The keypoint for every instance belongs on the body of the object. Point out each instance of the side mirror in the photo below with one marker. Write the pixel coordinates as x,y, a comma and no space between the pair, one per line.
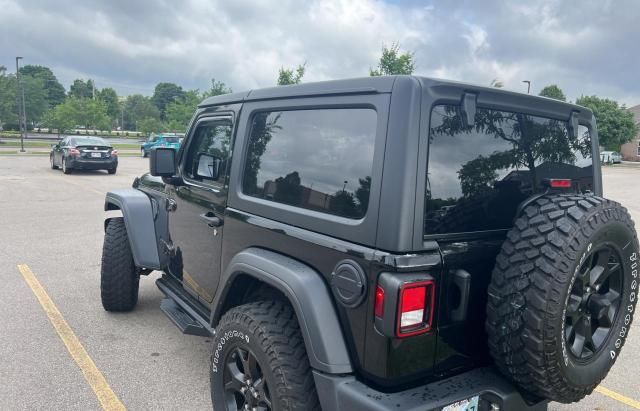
162,162
208,166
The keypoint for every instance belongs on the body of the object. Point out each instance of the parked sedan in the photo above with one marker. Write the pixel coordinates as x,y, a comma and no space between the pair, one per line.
610,157
160,140
84,153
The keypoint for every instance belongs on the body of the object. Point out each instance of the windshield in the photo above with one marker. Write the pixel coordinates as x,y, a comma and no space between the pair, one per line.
88,141
171,139
478,175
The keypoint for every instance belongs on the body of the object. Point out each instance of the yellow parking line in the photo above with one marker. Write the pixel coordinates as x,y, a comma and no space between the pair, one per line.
108,399
618,397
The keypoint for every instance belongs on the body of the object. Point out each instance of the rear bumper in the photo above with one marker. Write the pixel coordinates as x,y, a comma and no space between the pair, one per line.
346,393
98,164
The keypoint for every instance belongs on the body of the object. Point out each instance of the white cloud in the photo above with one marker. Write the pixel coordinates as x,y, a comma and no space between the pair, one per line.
588,49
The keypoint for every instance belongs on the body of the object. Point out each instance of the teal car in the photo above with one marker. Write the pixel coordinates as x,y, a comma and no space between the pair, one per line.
160,140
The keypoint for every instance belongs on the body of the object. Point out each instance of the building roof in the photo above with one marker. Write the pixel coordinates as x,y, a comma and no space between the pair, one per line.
636,112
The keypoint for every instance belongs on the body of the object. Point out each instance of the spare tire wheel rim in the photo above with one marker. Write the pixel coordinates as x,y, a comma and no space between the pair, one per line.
594,302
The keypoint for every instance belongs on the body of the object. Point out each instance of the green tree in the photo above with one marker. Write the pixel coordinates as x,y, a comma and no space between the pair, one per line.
179,112
59,118
35,96
553,91
394,62
85,112
166,93
136,108
290,76
151,125
217,88
615,122
110,99
81,89
55,92
8,109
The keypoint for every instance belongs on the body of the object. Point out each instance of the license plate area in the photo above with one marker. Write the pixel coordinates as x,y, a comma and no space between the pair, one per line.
469,404
96,155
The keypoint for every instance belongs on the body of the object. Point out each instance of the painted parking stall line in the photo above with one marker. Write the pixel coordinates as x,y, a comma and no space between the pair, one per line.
108,399
618,397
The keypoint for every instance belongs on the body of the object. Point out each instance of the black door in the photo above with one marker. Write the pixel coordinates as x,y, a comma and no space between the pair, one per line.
197,222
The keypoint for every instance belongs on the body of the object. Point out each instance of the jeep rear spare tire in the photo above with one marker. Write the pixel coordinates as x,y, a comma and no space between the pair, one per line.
119,278
562,295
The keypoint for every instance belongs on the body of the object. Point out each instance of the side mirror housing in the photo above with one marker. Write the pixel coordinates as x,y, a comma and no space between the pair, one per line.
162,162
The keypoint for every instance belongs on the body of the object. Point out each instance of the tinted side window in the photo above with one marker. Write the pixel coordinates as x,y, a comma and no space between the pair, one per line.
478,175
212,138
318,159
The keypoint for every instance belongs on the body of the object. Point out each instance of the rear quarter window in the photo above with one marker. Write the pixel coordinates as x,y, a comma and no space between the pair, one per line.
317,159
478,175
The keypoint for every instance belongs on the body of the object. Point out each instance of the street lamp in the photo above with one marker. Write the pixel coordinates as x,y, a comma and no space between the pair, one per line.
528,85
22,117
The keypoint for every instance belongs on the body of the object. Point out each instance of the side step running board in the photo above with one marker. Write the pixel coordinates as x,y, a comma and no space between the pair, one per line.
186,323
184,317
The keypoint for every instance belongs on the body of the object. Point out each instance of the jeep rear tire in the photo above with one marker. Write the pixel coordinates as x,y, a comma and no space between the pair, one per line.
562,295
259,360
119,278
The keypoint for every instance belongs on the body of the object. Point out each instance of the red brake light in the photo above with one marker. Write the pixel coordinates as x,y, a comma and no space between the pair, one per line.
416,305
74,151
560,183
379,303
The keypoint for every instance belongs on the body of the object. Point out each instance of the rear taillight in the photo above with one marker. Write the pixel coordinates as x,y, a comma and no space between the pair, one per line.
74,151
379,303
560,183
415,308
114,153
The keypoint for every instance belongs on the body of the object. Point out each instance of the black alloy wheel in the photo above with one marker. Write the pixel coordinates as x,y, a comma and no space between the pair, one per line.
244,383
594,302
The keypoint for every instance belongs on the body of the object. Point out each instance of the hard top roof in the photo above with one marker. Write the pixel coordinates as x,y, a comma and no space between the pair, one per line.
378,84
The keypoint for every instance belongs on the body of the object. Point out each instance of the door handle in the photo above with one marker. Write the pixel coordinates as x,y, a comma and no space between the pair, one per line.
211,219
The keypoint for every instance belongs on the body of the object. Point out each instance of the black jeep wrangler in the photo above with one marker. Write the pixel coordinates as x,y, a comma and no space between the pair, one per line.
389,243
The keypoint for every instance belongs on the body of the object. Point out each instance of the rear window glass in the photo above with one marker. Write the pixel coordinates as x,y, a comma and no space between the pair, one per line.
87,141
477,176
319,159
171,139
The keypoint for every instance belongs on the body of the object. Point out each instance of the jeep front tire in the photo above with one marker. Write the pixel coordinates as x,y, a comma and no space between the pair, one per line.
562,295
259,361
119,277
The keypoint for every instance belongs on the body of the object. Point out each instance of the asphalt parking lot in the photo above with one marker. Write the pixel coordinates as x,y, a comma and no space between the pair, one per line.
53,224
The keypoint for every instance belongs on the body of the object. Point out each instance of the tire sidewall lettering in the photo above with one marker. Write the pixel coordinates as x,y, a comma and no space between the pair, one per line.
231,335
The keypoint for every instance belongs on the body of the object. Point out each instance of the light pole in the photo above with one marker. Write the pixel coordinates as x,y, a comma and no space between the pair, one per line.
22,117
528,85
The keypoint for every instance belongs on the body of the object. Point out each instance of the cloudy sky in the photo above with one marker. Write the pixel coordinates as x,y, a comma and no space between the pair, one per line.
586,47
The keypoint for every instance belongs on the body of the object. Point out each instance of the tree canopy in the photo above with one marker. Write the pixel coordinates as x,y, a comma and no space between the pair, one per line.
288,76
166,93
54,91
394,62
553,91
615,123
81,89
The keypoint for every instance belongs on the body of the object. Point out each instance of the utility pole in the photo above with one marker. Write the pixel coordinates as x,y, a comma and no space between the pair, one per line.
528,85
22,116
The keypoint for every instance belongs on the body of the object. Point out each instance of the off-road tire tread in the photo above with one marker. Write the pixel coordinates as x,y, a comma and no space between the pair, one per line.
533,267
119,278
277,331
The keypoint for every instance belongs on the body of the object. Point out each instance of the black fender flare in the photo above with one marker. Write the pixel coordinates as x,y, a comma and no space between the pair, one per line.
307,293
138,213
